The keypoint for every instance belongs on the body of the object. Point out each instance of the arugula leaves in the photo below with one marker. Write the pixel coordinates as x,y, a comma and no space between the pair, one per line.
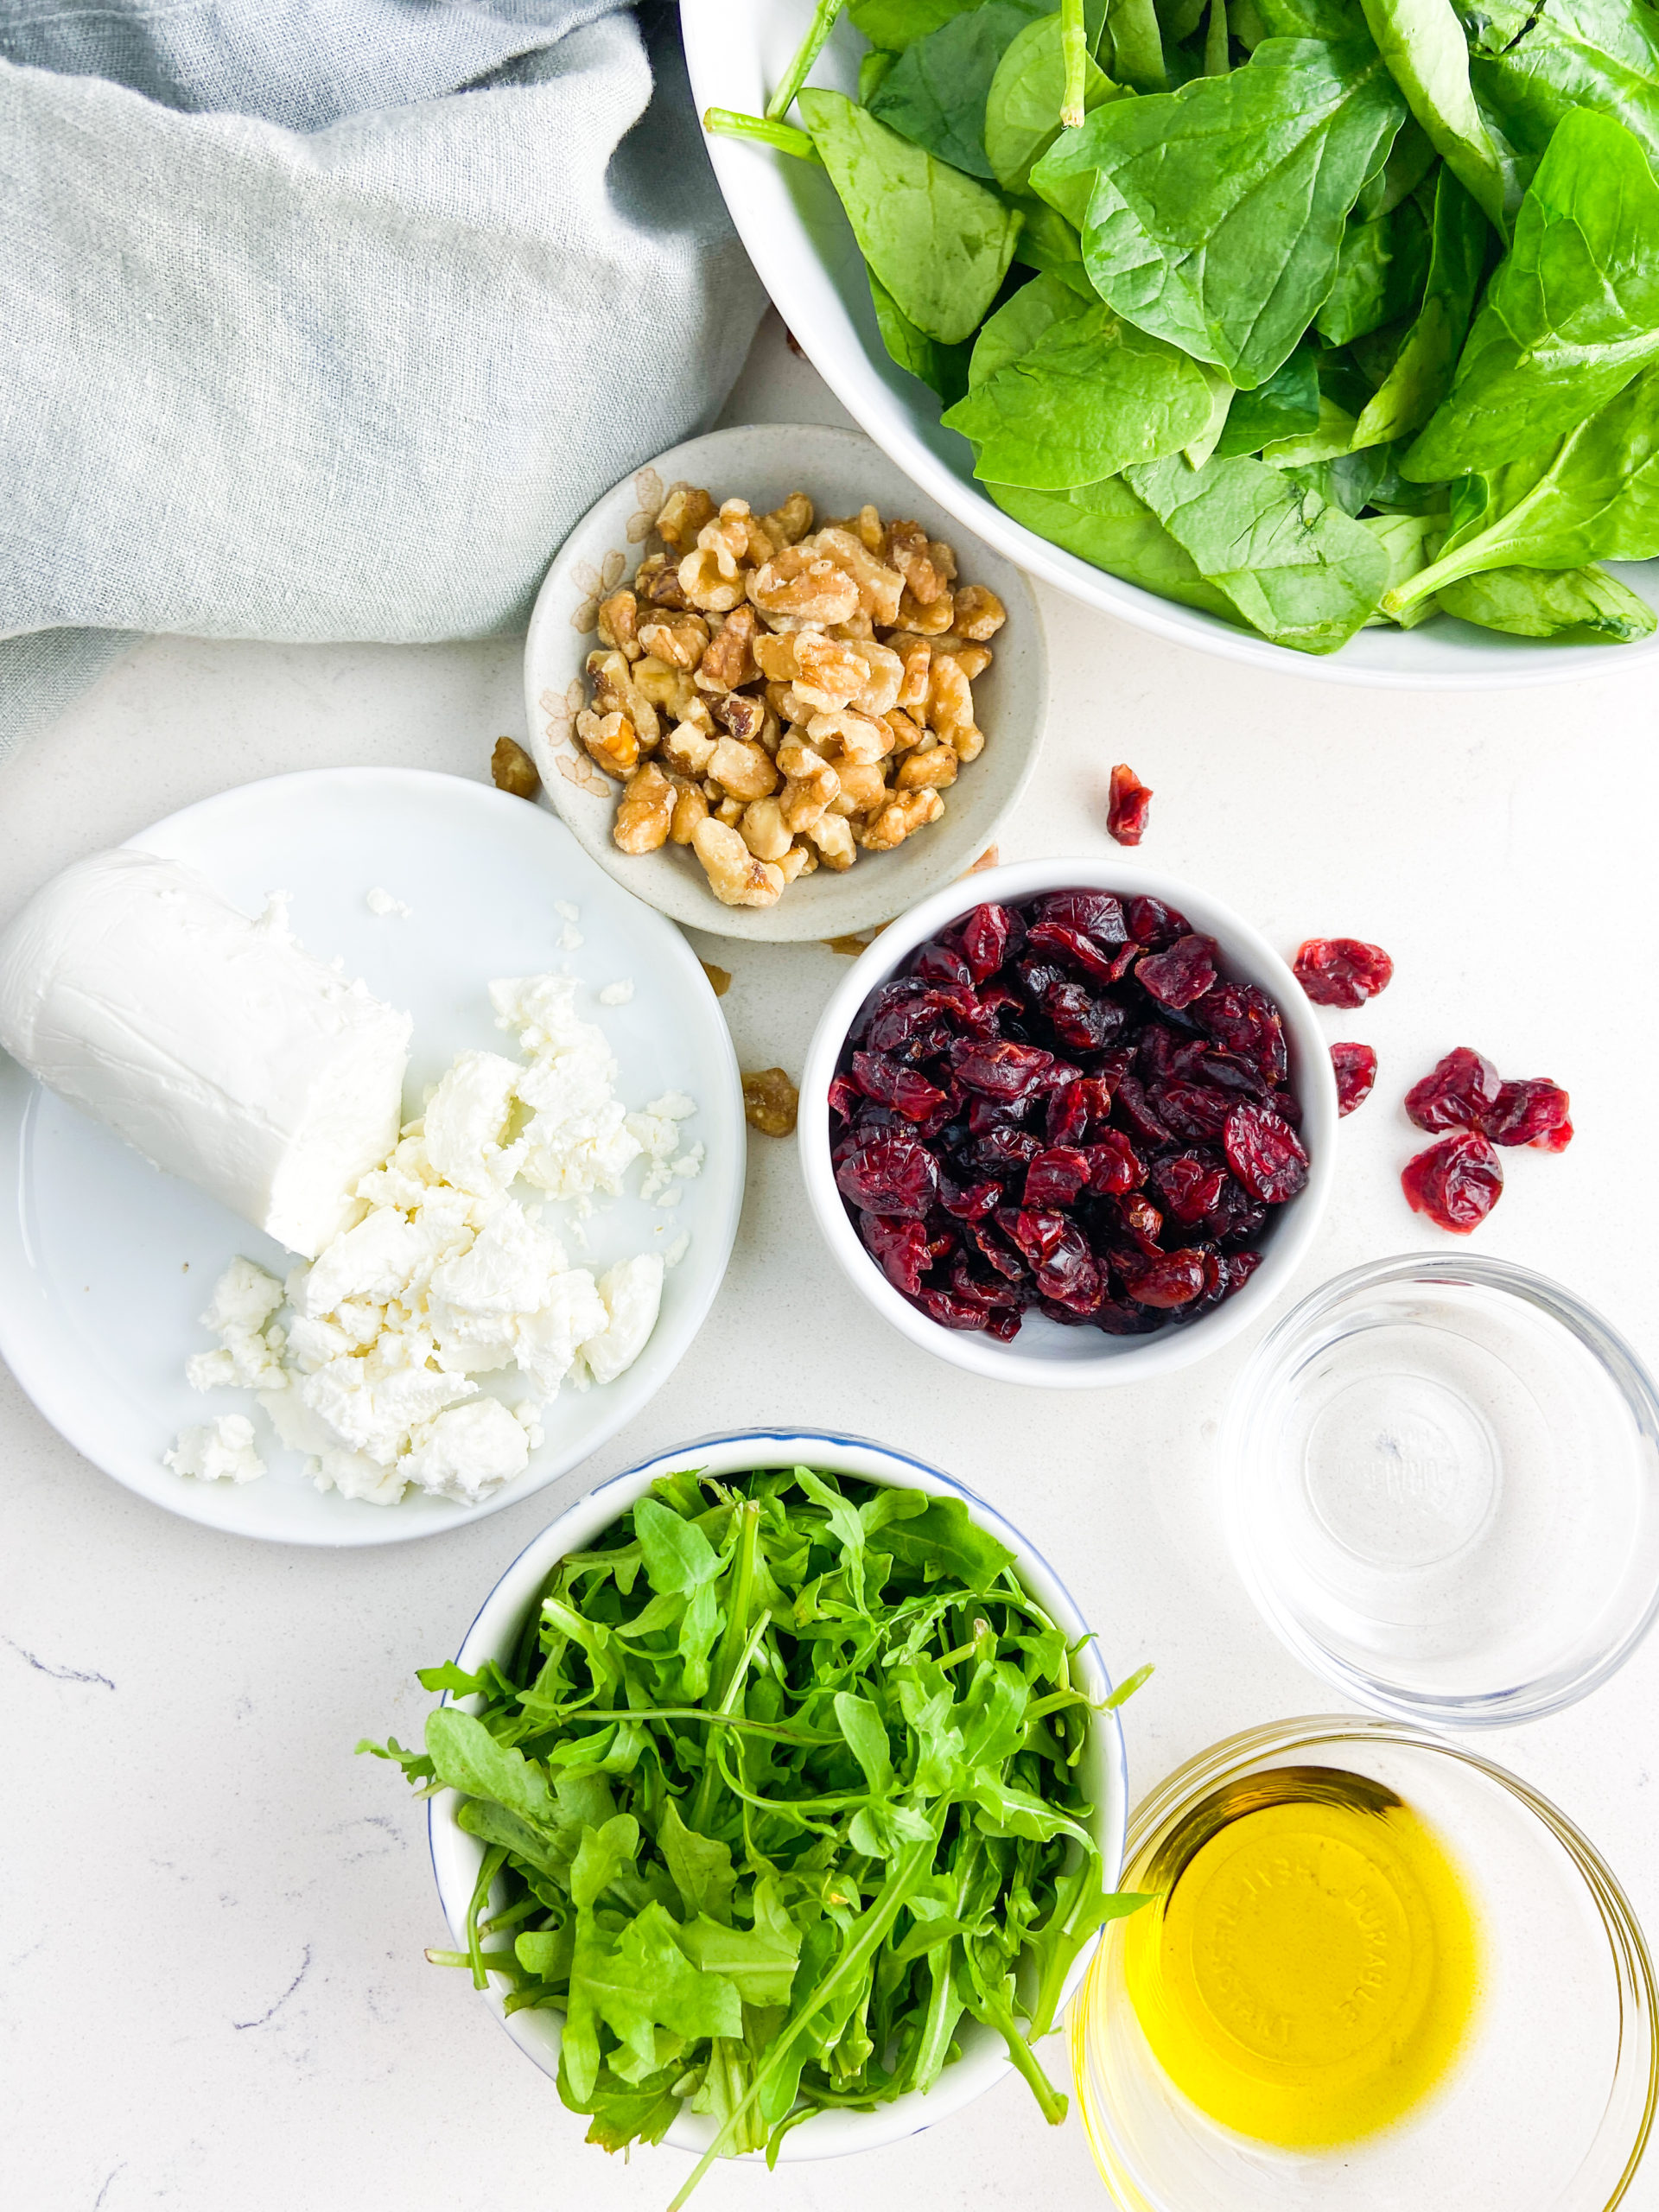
836,1806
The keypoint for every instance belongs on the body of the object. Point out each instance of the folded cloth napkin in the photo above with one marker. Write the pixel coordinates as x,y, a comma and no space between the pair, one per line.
326,319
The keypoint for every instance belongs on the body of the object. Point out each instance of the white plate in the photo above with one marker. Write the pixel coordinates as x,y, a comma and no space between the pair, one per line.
763,463
788,217
106,1263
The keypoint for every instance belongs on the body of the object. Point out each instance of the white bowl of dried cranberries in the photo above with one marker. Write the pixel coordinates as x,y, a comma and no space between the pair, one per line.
1069,1123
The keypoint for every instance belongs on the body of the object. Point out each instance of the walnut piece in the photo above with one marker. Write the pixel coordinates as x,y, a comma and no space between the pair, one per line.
512,770
771,1101
775,697
646,810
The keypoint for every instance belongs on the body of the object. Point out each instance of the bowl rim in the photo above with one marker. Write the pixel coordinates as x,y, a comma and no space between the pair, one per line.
859,387
1242,1753
1237,1450
449,1848
685,898
1131,1359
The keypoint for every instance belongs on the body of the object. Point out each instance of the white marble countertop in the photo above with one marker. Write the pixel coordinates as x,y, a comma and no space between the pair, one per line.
213,1994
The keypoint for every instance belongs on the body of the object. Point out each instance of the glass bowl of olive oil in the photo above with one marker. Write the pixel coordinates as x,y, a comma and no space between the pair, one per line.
1377,1972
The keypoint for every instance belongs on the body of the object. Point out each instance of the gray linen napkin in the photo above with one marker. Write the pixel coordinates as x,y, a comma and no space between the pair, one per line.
331,318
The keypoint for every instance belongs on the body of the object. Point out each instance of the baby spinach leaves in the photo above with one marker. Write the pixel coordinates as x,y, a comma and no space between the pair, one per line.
1531,64
1022,108
1422,42
1572,312
1093,395
1586,607
939,241
1381,271
1420,374
935,93
840,1807
1216,213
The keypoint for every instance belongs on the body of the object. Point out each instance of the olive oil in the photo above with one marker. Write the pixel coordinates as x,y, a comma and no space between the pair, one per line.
1309,1969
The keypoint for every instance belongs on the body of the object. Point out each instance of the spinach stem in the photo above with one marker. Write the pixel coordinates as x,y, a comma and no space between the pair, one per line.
823,21
1074,49
783,136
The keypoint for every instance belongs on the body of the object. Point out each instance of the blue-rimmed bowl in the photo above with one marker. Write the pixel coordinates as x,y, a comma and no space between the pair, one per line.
501,1619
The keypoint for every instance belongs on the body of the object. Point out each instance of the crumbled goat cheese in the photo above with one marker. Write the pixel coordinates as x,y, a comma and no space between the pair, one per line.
382,903
618,993
221,1452
445,1275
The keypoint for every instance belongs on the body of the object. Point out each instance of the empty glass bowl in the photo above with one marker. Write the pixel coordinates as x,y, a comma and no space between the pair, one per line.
1442,1486
1549,2104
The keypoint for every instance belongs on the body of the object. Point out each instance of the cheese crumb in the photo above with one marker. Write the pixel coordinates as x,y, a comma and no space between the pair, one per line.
381,902
222,1451
617,994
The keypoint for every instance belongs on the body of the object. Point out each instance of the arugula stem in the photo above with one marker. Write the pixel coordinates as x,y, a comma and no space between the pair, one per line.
489,1866
1074,49
999,2013
494,1962
783,136
824,16
737,1647
908,1868
777,1730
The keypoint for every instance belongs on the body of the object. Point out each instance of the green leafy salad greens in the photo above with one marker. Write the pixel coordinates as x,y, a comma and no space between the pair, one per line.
1314,315
779,1788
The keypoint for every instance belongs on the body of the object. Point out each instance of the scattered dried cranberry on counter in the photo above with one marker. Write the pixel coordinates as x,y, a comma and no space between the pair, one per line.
1459,1092
1534,1111
1356,1070
1129,806
1456,1182
1065,1107
1342,971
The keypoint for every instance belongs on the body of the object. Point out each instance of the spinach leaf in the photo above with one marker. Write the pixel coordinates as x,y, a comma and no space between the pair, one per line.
1019,323
895,24
1334,20
939,242
1136,46
1407,541
935,95
942,369
1411,157
1108,526
874,69
1594,497
1533,64
1420,374
1022,110
1302,573
1091,396
1216,215
1584,607
1572,313
1381,274
1284,406
1423,44
1048,243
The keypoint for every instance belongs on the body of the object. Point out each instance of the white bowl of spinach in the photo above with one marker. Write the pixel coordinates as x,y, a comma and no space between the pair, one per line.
1332,326
778,1799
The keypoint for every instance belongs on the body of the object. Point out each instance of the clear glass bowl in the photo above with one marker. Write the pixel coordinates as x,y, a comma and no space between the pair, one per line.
1442,1490
1550,2105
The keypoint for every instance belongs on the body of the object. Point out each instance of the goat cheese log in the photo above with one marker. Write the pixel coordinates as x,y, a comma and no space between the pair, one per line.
216,1046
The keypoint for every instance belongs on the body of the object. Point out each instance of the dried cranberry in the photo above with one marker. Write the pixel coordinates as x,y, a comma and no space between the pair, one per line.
1114,1167
1532,1111
1137,1109
1035,1233
1356,1070
951,1312
1120,1318
1240,1267
1001,1151
1131,1222
890,1083
1238,1219
999,1248
1129,806
1192,1109
1152,923
1099,914
1054,1178
1459,1092
1456,1182
844,1098
888,1174
1000,1002
1244,1021
1342,970
1222,1071
1166,1279
969,1201
1162,1052
1185,972
985,1114
1082,1022
941,963
1005,1069
1074,948
1265,1154
898,1247
988,937
989,1292
1190,1183
1068,1274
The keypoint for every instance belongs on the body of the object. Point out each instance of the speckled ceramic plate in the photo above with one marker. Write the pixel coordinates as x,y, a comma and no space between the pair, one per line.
105,1264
